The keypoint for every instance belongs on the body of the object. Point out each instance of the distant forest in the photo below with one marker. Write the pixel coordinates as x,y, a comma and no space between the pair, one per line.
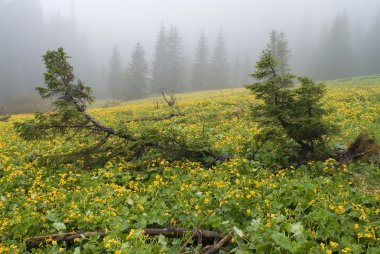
341,51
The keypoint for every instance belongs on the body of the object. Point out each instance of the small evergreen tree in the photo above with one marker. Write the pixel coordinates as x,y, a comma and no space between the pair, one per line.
99,143
71,101
137,74
290,114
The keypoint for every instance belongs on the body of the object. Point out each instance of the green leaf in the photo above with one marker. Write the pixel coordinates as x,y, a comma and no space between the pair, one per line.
281,240
297,228
60,226
51,217
77,250
238,231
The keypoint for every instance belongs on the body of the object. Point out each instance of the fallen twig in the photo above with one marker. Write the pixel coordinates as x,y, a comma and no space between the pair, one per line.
216,247
203,221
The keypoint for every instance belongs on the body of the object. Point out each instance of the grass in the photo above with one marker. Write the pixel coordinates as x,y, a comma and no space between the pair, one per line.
320,207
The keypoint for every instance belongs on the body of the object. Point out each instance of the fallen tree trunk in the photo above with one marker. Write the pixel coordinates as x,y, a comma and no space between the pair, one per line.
154,118
200,236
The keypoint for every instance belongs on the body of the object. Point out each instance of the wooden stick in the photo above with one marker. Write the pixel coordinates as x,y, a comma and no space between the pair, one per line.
216,247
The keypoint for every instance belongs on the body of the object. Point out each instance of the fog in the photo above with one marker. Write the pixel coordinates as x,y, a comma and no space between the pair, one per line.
94,31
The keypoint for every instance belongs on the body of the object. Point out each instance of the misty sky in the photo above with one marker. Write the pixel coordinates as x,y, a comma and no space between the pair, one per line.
245,23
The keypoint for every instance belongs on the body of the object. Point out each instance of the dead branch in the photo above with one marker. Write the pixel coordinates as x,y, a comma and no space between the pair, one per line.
39,241
216,247
202,236
4,118
203,221
155,118
171,101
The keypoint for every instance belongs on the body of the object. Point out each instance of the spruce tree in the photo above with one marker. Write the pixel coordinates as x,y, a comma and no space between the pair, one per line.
115,75
175,61
137,74
278,46
219,69
200,69
290,115
372,46
335,55
160,63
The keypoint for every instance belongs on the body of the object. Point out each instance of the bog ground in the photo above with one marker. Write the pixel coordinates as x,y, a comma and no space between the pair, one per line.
319,207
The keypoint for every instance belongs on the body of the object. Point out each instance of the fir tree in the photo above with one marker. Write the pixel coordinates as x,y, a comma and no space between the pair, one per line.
160,63
290,114
372,48
175,61
335,55
200,69
339,56
219,69
115,75
278,46
137,74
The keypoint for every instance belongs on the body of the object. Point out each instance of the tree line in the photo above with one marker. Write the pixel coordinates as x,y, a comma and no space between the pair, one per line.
339,50
169,70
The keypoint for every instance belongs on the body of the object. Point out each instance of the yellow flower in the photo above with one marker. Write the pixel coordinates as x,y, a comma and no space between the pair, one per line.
340,209
322,246
356,226
328,251
333,244
140,207
346,250
131,233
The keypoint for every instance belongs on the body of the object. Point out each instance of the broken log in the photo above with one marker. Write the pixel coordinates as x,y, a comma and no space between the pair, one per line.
200,236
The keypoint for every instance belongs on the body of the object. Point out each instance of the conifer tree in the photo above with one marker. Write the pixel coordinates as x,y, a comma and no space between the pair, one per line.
175,71
115,75
278,46
335,56
137,74
160,63
200,69
372,48
219,69
290,114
